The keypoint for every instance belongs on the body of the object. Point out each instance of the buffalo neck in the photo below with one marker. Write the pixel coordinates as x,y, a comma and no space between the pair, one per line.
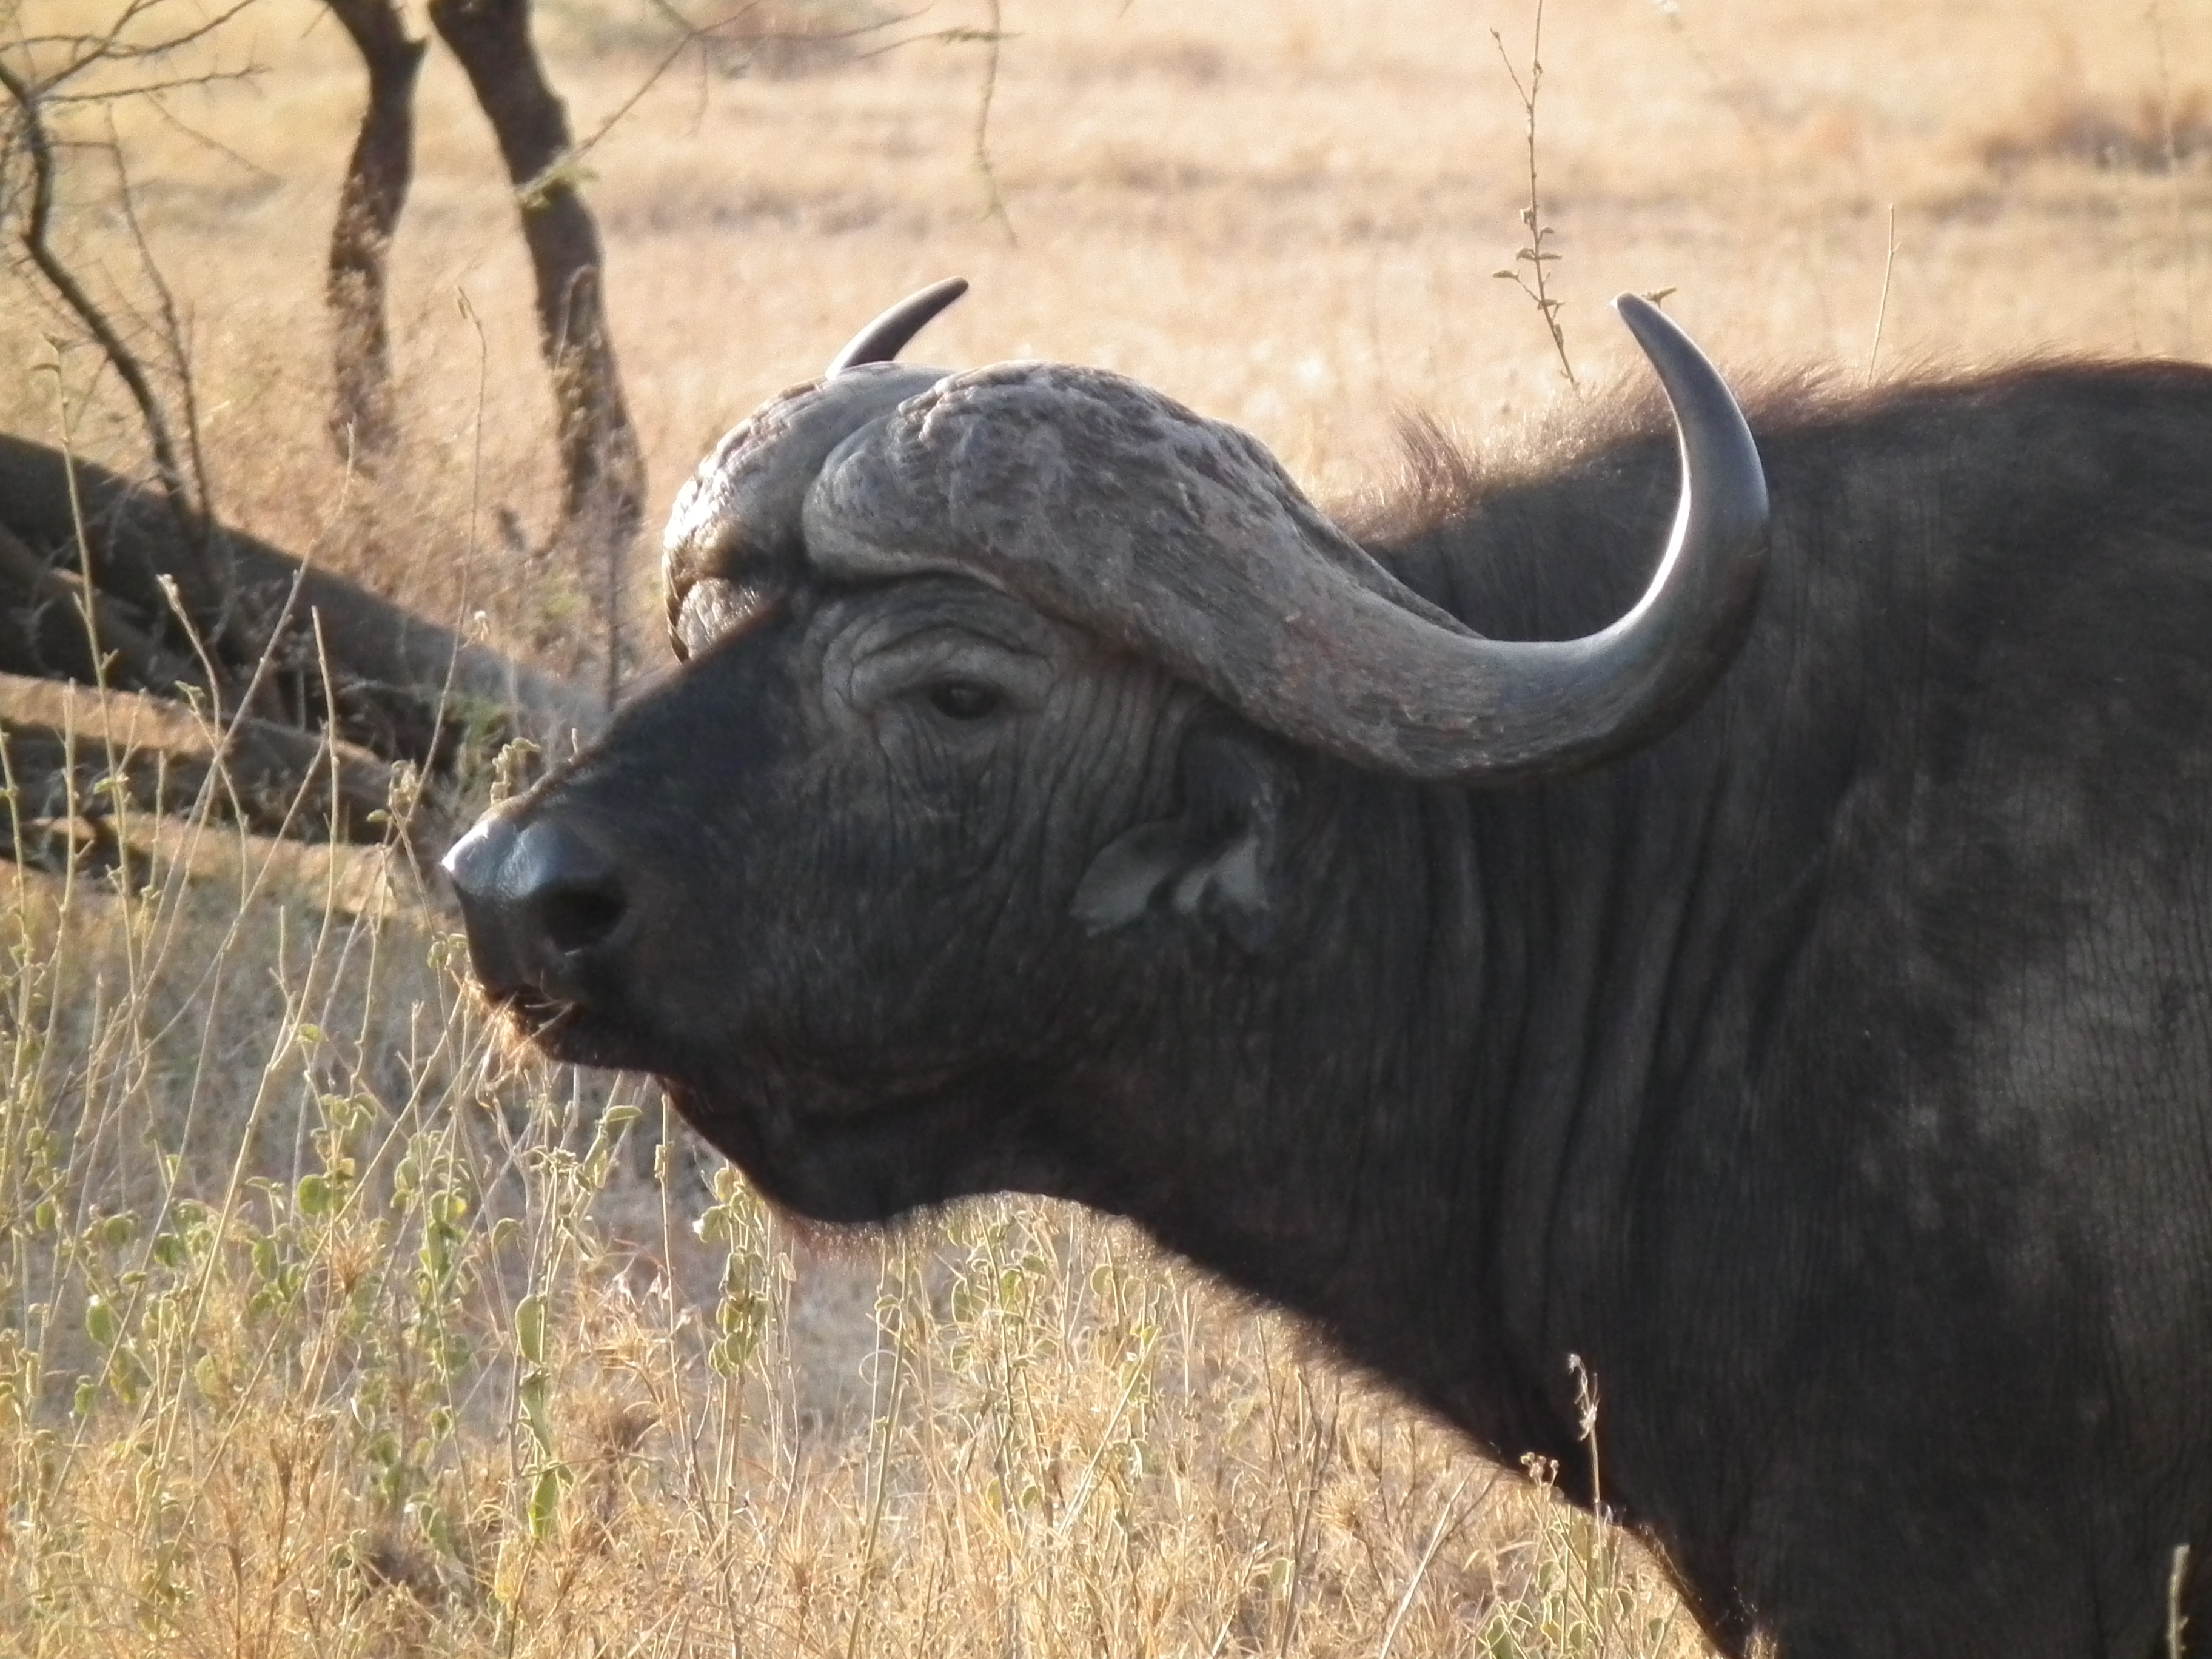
1483,1025
1403,1152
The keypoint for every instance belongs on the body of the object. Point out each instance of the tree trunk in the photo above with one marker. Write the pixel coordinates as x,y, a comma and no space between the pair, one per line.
378,173
603,471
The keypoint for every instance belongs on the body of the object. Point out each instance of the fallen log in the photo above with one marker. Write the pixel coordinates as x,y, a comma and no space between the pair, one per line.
150,851
401,686
43,613
77,754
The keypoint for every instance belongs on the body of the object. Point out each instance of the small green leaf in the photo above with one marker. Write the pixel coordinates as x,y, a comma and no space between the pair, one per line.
530,1328
100,1323
536,1394
545,1502
128,1374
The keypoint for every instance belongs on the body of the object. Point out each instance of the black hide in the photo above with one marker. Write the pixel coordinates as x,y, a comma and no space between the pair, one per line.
1834,1076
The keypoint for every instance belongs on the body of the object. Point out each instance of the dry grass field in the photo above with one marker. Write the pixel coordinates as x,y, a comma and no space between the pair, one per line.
330,1325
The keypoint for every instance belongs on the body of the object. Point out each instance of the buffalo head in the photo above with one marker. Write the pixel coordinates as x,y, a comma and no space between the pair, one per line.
995,778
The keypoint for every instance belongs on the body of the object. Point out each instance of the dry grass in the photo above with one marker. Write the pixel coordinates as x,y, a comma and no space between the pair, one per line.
280,1221
333,1325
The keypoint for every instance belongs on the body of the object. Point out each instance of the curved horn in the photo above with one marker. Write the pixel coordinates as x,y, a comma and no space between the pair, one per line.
732,542
884,338
1102,502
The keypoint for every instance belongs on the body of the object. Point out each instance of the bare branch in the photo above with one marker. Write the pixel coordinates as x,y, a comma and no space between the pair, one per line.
105,579
173,338
995,204
147,88
155,101
651,80
712,35
110,47
205,583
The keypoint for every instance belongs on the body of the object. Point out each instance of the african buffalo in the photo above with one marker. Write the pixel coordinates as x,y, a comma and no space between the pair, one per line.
1794,997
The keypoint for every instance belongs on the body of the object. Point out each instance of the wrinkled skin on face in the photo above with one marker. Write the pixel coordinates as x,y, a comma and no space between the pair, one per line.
850,941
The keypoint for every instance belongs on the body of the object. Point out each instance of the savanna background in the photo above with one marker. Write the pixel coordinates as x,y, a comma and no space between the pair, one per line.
331,1323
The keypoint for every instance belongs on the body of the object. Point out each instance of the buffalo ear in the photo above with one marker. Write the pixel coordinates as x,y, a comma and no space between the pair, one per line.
1215,861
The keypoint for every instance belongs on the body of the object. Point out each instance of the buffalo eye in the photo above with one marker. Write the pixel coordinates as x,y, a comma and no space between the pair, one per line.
965,700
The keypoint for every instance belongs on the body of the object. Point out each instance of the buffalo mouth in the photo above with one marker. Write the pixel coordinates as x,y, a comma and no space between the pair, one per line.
829,1149
566,1032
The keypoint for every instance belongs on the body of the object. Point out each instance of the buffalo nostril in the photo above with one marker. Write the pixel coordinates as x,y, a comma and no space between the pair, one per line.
534,897
575,918
563,889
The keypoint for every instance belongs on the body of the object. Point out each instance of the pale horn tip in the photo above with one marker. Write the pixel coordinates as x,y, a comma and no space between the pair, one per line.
1719,449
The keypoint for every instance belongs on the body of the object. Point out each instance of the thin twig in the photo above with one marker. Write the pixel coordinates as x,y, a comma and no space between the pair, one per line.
651,80
476,502
2173,184
161,109
202,561
63,281
111,48
1309,1499
996,204
1449,1520
172,336
1882,310
152,89
709,34
1534,253
957,36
